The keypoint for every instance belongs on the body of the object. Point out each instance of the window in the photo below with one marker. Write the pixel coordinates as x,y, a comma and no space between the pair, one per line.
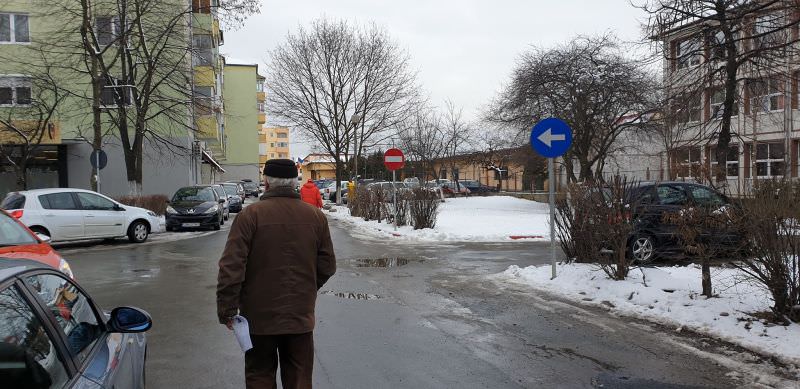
687,108
260,85
107,30
283,144
203,50
500,174
672,195
94,202
706,197
770,160
765,95
688,163
15,91
272,145
283,135
443,173
22,331
768,31
72,310
688,52
14,28
717,99
13,234
732,161
262,107
60,201
272,155
113,93
716,45
202,99
201,6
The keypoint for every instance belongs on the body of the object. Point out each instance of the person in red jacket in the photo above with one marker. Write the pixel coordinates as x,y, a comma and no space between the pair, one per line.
310,194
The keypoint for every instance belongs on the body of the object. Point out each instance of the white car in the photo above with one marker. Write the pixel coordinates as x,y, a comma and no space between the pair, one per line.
66,214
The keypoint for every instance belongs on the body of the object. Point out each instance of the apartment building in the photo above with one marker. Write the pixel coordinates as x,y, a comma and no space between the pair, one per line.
190,139
765,124
274,143
244,116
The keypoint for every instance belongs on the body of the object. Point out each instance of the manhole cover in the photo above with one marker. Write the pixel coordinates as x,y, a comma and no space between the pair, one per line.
383,262
351,295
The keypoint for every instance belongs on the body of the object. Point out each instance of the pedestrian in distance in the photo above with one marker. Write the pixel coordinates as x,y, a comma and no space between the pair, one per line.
310,194
278,255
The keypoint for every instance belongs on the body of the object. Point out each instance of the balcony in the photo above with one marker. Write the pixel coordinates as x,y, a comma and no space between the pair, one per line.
262,118
261,97
204,76
51,136
208,129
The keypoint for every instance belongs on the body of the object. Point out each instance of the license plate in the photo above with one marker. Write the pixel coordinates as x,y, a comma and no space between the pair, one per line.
190,225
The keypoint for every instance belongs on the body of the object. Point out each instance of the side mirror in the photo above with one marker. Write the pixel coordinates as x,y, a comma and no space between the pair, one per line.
221,201
129,320
44,238
118,208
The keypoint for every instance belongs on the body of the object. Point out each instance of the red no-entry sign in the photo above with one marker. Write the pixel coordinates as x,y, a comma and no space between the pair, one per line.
394,159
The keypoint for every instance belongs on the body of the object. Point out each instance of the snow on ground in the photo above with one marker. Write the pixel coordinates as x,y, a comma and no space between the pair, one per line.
476,219
671,296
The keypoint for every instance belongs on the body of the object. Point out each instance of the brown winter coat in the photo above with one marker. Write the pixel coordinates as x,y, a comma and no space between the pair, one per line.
279,253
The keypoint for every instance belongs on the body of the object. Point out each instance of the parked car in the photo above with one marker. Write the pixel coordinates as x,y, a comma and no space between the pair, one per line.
452,189
54,335
226,210
476,187
195,207
234,198
66,214
17,241
389,188
329,193
239,189
322,184
251,188
412,182
653,236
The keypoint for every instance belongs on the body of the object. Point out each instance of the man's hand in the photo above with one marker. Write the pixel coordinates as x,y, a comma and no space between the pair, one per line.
229,323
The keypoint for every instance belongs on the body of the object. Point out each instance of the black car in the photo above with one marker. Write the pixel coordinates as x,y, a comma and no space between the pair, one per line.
53,335
654,236
195,207
251,188
476,187
235,200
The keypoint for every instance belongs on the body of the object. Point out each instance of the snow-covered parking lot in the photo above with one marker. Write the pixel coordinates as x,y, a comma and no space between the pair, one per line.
671,296
475,219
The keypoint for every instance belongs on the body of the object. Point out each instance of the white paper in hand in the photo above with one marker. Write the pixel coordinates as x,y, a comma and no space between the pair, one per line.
242,331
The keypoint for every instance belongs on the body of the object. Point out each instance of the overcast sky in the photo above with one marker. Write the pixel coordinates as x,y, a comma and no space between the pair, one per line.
464,50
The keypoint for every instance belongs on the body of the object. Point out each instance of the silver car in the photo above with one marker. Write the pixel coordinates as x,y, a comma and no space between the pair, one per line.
53,335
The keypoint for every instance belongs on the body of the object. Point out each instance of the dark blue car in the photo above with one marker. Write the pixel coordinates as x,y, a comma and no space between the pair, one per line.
52,335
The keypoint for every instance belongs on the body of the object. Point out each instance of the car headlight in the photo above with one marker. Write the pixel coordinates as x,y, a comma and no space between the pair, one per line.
63,266
213,209
170,209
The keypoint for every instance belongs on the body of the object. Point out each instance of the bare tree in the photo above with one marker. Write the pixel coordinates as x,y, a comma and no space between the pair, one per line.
422,138
723,46
340,85
456,133
31,122
589,84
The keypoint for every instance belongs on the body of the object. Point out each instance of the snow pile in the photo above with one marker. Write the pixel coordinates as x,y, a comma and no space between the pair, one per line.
475,219
671,296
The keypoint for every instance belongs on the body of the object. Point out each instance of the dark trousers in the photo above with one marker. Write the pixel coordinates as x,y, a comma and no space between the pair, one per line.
296,356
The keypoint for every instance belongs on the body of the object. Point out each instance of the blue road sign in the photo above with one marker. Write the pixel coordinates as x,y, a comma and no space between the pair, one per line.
551,138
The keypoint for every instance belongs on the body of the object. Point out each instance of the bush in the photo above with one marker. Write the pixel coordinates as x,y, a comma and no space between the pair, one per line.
423,208
594,224
155,203
772,221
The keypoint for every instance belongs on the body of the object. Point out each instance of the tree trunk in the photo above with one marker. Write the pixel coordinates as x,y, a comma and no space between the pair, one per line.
22,177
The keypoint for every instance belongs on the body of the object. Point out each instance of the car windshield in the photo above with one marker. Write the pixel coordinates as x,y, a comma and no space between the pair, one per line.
250,185
231,189
194,194
12,234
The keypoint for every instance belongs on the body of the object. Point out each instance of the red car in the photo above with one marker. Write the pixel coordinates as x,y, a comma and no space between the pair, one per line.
18,242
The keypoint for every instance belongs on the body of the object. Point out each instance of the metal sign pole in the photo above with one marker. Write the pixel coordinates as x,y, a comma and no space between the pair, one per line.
97,159
394,187
551,186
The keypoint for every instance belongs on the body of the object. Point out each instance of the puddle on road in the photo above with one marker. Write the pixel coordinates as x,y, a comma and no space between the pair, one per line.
384,262
351,295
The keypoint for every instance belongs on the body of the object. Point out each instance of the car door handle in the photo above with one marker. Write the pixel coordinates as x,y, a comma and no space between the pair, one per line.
49,215
88,216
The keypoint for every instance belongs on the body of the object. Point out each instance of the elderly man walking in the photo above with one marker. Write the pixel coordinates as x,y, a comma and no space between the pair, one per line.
279,253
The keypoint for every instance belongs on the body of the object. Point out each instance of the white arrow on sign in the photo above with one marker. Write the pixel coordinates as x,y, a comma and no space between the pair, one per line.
548,137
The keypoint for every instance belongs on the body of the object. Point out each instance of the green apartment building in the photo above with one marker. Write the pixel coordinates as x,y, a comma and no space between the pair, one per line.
244,116
185,147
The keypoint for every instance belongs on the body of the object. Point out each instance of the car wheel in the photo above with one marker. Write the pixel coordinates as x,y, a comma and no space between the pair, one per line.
40,230
227,215
642,249
138,232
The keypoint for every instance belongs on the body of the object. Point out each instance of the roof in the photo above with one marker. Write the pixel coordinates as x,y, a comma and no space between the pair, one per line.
34,192
11,267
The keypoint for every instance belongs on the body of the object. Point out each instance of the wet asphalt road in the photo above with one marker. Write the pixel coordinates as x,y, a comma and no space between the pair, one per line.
435,318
